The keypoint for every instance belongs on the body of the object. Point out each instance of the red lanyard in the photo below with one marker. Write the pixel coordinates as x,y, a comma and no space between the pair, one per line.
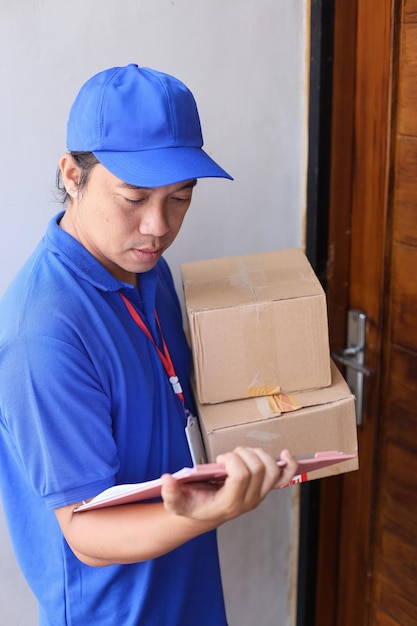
164,356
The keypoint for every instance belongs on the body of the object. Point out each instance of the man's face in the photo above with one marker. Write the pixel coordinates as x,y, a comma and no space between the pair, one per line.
126,228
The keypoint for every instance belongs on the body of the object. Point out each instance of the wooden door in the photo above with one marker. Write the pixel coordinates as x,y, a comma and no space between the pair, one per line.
367,569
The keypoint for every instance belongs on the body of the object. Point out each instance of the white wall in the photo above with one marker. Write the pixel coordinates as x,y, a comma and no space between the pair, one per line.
246,62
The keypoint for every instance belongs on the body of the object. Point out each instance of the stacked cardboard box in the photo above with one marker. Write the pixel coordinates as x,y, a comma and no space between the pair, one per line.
262,369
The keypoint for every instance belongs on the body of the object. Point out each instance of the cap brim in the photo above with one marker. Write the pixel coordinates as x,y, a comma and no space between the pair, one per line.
164,166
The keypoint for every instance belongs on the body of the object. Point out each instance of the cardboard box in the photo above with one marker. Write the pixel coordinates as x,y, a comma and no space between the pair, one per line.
257,322
325,422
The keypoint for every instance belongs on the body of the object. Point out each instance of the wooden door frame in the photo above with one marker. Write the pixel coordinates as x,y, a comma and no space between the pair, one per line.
359,189
343,507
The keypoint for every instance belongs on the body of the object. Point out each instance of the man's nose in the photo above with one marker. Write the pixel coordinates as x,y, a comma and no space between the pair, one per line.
154,221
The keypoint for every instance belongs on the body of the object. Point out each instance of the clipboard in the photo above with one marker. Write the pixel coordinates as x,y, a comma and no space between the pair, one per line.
207,472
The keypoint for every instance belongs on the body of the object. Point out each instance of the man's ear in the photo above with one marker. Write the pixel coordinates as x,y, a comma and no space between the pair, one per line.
70,174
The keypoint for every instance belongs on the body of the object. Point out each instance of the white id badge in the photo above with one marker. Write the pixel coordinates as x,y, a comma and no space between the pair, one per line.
195,440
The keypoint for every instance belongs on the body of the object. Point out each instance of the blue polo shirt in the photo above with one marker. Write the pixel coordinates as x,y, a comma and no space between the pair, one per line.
85,403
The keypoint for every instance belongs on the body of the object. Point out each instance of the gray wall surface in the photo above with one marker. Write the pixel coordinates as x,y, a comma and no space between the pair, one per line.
246,62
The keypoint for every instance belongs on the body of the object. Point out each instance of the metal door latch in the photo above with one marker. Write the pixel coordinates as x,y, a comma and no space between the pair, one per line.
353,358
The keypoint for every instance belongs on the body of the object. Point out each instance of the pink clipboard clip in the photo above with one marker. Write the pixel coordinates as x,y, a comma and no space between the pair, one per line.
311,462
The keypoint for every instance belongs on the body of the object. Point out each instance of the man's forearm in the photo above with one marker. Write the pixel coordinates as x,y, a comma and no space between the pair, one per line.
126,534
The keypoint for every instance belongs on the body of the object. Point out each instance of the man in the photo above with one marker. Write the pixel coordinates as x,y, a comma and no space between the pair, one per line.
91,352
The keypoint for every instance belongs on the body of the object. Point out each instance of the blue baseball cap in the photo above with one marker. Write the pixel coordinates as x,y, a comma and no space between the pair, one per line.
142,125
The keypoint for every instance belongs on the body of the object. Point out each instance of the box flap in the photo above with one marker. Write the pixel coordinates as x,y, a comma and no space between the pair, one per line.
249,279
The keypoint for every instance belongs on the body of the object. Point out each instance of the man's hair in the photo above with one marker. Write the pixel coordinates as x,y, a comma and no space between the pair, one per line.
85,161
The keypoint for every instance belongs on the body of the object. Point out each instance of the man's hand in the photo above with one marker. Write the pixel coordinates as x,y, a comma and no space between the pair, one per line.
251,474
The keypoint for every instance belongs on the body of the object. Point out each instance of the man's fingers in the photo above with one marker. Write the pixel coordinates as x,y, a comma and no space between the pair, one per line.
254,473
251,475
171,493
288,470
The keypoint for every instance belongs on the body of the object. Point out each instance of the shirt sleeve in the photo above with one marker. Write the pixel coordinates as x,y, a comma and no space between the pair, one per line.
57,414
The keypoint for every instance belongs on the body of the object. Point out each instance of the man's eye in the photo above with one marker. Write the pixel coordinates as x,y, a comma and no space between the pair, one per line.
180,199
134,200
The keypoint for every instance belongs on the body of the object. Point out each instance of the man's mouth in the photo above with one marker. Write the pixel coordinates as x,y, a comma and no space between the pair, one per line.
147,253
